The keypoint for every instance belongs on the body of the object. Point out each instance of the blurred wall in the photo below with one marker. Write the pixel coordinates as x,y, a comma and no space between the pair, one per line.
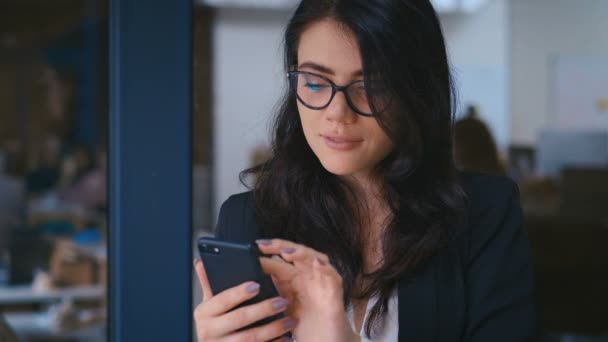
542,30
478,49
247,83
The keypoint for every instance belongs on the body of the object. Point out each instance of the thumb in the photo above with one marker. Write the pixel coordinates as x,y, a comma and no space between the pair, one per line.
202,279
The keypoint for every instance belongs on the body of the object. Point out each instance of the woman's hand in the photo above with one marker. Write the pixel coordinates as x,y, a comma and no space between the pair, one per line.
313,287
216,322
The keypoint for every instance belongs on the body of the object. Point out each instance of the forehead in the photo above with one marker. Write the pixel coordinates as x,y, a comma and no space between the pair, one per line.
330,44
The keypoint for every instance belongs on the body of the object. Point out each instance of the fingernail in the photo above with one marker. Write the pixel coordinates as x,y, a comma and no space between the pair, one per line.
253,287
195,261
288,324
279,303
264,242
288,250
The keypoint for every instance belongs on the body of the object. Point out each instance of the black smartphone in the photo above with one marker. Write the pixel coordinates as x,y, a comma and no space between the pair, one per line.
229,264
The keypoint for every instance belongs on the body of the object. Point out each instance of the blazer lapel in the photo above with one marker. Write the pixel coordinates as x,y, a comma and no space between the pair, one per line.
418,306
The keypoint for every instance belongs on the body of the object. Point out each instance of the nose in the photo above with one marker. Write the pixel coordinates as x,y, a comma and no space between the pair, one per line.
339,110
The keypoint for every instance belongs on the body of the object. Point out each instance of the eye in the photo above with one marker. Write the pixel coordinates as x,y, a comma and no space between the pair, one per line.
314,87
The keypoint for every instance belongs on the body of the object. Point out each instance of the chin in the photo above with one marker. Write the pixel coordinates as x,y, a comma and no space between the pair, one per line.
339,168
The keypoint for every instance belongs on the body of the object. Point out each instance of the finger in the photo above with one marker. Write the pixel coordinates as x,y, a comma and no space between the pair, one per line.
266,332
230,298
327,269
278,268
202,279
320,273
281,289
303,255
281,274
283,339
275,246
247,315
290,251
327,278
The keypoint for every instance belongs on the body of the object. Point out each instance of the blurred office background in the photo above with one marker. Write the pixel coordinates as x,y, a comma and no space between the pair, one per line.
532,79
53,119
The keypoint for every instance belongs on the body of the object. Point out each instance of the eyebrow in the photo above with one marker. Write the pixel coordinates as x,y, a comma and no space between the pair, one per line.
326,70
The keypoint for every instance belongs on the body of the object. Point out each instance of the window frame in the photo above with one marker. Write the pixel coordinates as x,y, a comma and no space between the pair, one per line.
150,170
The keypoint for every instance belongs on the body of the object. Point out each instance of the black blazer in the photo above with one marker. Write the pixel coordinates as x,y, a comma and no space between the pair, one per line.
478,289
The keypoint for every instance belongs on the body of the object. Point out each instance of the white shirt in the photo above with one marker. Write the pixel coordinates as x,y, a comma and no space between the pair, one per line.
389,331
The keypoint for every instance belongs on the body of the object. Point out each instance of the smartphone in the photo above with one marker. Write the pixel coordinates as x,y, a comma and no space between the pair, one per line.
229,264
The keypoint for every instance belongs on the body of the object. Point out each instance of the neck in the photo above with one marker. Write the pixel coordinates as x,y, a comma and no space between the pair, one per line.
374,213
366,187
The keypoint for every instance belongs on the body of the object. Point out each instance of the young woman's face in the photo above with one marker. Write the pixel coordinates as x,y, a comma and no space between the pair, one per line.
346,143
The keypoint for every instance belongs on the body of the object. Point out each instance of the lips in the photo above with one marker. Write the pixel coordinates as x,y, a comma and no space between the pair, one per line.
341,143
339,139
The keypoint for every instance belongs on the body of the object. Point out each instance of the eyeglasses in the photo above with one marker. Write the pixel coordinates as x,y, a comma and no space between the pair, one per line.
316,92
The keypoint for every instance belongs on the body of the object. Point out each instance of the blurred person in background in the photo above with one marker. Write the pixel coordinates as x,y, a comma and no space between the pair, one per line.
55,136
46,167
474,145
78,161
89,188
60,84
12,192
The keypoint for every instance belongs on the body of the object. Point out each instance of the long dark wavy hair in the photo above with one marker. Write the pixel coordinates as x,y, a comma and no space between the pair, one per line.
402,47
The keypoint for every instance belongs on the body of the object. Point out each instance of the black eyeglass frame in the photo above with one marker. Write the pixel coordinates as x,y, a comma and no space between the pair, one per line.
334,89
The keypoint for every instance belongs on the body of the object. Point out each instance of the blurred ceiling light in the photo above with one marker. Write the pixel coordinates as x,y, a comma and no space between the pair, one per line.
442,6
470,6
445,6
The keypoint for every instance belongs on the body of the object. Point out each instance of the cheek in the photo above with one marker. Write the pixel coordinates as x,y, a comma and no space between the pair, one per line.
308,121
381,150
386,147
382,145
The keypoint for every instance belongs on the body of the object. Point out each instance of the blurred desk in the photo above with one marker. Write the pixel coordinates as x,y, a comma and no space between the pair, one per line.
24,295
33,325
40,327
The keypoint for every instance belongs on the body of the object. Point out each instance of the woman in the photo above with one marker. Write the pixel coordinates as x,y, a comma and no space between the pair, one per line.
375,234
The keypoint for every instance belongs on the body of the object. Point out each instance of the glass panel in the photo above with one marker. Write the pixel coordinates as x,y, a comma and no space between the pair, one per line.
202,220
531,82
559,154
53,109
233,101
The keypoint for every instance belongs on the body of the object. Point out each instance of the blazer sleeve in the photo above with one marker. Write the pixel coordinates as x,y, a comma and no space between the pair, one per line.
236,221
223,229
499,273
